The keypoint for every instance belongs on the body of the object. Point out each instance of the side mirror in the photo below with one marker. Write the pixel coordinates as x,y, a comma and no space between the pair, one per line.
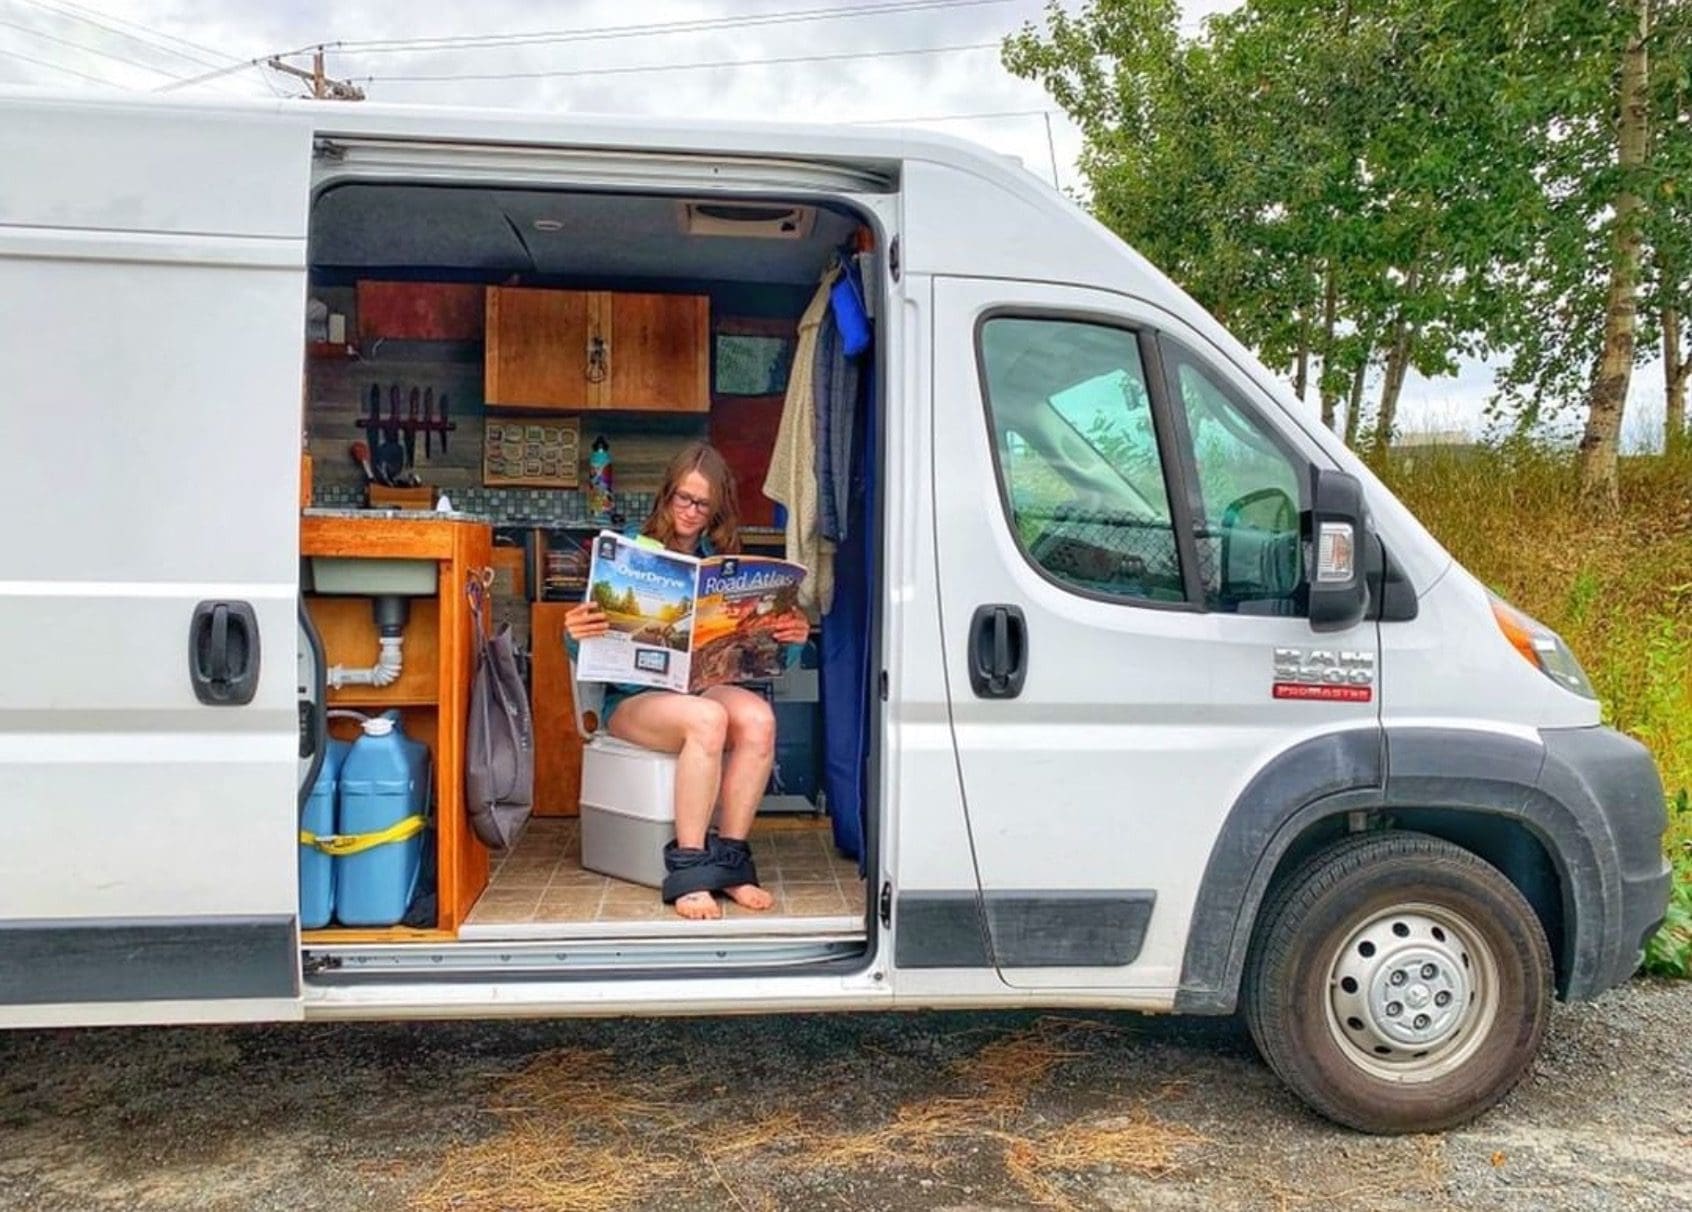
1335,530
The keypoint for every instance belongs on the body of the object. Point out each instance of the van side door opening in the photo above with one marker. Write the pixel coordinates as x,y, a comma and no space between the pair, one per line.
548,240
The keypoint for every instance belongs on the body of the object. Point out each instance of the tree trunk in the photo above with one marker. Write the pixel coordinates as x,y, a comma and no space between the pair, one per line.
1325,387
1301,368
1674,384
1608,395
1397,365
1354,406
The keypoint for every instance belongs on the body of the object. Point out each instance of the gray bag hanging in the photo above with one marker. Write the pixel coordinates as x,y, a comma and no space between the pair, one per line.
499,778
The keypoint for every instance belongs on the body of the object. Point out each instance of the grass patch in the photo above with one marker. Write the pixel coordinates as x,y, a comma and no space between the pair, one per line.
1617,587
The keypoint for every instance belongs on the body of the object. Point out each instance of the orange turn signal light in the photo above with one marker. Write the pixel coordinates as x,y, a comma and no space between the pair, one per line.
1518,629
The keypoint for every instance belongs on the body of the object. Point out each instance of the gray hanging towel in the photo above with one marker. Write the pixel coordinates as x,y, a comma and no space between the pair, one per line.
835,388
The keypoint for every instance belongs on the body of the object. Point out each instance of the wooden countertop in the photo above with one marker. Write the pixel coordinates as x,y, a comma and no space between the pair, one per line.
378,536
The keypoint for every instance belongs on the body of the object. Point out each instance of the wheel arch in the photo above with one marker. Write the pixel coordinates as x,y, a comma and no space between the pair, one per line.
1477,789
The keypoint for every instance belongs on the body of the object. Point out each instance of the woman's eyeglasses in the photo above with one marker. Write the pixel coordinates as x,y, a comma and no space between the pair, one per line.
686,500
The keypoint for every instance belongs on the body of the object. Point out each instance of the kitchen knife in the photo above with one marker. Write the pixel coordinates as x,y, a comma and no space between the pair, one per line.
389,457
411,413
428,421
444,425
373,423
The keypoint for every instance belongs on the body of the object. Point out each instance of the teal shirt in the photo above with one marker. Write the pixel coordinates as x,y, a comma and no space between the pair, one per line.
617,692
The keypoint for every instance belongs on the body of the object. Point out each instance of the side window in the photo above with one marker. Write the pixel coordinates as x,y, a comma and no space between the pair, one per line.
1248,492
1078,455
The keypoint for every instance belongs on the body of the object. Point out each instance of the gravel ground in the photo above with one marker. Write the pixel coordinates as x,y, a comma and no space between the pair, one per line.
940,1111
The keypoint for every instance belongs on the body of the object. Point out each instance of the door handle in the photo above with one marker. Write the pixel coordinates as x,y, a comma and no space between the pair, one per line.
223,653
998,651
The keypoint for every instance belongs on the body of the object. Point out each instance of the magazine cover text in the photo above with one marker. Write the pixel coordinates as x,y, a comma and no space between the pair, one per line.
647,597
742,599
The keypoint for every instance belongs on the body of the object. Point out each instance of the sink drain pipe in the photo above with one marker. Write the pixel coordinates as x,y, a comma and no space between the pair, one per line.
391,611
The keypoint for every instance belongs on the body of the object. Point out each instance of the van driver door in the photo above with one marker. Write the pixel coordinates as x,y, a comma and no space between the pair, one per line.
1118,528
152,272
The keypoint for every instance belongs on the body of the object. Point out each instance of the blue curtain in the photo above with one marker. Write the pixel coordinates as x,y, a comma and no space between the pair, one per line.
848,698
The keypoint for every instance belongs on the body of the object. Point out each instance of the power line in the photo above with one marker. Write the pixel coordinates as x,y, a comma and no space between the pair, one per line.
59,67
84,47
383,46
681,67
71,12
68,11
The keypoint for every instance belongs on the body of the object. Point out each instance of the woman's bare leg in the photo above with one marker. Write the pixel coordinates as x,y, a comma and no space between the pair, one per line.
695,729
746,772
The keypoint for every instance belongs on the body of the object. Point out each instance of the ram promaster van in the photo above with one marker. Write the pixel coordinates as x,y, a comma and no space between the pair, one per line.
1136,691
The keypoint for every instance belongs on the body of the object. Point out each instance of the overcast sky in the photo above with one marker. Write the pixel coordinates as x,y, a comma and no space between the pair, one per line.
150,44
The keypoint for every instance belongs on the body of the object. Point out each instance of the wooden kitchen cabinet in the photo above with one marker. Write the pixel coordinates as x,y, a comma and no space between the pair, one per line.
536,352
660,353
558,747
540,350
432,694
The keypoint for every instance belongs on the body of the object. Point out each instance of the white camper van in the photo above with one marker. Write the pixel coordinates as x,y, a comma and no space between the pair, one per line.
1166,703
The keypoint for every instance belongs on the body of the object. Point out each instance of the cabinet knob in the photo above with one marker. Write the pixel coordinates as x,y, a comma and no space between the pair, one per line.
598,358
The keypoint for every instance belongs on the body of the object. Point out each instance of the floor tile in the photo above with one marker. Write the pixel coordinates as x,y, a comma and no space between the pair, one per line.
555,907
543,880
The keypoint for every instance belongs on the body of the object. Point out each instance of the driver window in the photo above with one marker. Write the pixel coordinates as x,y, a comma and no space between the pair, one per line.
1249,498
1078,456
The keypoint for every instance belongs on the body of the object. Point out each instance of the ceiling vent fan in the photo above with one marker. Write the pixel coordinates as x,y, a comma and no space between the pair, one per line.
752,220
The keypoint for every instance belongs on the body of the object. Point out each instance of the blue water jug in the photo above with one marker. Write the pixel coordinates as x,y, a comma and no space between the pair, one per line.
384,786
317,817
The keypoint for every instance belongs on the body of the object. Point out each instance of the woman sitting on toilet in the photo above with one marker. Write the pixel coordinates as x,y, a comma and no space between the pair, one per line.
723,737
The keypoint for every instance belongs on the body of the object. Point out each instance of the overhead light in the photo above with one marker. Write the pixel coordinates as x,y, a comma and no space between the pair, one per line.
757,219
549,225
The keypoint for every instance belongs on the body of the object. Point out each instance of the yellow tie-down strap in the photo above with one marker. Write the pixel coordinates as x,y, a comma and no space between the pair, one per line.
354,843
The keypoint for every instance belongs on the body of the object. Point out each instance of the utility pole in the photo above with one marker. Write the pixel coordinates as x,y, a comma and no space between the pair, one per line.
323,88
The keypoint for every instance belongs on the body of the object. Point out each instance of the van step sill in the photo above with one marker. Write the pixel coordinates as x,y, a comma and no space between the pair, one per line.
723,930
467,960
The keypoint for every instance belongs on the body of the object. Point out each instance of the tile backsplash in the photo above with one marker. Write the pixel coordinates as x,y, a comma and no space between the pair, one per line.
514,506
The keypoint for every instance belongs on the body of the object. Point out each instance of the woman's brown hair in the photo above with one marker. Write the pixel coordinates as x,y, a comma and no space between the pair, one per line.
723,526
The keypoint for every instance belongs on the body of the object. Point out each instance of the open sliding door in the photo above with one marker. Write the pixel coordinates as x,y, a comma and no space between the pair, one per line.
152,272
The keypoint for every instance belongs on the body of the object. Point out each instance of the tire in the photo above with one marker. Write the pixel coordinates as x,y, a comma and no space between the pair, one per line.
1398,983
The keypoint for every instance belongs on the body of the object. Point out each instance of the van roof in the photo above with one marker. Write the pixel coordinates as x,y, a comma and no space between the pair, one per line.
878,146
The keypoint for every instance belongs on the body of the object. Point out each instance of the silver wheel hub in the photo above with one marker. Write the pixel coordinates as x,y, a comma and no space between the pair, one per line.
1411,991
1417,995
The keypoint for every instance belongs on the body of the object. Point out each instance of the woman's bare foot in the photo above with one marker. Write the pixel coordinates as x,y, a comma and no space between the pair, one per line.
698,906
750,896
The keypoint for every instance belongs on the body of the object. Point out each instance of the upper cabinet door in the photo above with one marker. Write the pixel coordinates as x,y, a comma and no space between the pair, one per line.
575,350
537,353
660,352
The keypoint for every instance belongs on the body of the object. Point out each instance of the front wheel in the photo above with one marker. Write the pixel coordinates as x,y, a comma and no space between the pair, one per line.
1398,983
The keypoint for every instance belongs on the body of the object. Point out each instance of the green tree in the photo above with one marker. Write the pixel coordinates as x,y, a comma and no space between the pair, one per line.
1340,182
1606,275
